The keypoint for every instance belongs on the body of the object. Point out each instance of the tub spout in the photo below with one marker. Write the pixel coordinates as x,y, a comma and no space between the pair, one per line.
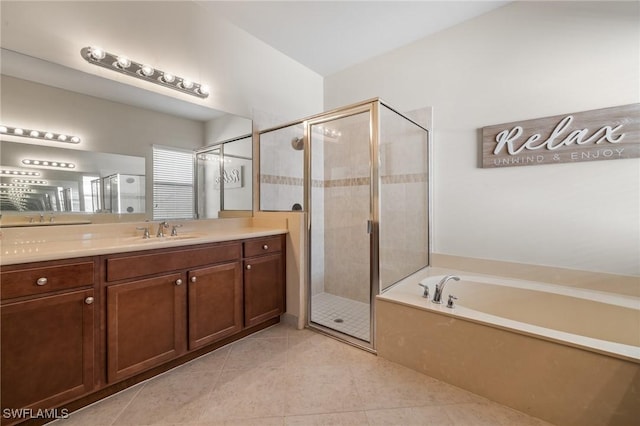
437,295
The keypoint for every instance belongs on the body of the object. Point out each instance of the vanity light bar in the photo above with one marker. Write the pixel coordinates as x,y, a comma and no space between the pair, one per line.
38,134
122,64
48,163
18,173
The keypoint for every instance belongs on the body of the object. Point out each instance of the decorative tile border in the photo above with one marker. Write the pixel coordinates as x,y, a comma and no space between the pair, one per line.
408,178
281,180
335,183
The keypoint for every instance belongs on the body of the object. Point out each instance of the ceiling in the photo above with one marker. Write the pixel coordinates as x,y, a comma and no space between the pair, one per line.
329,36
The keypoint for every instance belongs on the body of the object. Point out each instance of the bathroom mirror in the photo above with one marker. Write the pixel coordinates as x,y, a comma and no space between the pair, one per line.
111,118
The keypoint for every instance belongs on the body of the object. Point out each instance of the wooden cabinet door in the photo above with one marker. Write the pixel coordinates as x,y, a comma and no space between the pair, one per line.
263,288
215,303
47,350
146,324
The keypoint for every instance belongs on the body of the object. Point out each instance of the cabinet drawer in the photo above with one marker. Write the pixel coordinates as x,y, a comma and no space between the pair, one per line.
33,281
263,246
120,268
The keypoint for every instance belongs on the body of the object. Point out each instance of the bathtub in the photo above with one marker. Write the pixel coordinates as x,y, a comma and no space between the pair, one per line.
563,354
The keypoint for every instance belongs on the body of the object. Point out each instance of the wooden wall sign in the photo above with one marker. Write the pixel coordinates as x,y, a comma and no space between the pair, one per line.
601,134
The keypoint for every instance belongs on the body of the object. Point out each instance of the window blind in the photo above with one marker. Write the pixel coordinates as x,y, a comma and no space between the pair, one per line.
172,183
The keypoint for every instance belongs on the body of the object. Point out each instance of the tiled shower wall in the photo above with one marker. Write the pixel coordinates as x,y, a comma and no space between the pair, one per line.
281,170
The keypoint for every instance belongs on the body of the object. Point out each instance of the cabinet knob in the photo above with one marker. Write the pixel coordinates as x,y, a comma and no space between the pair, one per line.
88,300
265,247
41,281
178,281
248,266
194,279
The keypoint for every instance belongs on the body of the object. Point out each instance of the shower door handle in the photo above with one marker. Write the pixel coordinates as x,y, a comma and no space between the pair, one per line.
369,227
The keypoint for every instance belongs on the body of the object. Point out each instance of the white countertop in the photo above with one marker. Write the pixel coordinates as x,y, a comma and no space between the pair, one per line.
92,240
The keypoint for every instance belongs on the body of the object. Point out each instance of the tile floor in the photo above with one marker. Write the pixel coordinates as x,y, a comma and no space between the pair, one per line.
284,376
354,315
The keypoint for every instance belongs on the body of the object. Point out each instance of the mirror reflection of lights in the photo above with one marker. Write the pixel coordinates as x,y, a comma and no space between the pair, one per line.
31,181
8,172
13,185
38,134
17,191
326,131
47,163
98,56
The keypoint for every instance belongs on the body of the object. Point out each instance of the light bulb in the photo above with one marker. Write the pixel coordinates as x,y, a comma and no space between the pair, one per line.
34,134
186,84
97,53
63,164
54,164
26,162
36,162
71,166
45,163
3,129
203,89
147,70
123,62
75,139
18,132
62,138
168,78
48,135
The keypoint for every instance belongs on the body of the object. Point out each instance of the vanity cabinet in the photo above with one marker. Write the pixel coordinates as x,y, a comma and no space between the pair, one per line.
145,324
159,300
215,303
74,329
263,280
47,346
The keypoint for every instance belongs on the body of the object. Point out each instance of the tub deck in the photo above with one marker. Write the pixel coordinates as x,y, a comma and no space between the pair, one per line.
558,376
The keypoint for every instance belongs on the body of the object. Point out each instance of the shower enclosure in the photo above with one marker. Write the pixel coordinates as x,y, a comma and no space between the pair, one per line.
361,175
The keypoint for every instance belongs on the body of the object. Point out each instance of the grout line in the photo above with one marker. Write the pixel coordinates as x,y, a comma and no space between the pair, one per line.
116,417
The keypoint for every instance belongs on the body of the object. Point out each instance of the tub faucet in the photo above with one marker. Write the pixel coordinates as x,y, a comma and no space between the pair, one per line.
437,295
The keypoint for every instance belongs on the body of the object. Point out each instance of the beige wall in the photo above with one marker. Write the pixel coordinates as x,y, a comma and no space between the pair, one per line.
524,60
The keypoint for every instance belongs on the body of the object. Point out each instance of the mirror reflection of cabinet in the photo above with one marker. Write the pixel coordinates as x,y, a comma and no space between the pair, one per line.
224,178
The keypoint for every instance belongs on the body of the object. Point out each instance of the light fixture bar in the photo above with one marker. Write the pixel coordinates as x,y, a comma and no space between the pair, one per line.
48,163
38,134
122,64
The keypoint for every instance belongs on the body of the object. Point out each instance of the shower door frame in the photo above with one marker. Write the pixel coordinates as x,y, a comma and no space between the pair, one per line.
372,107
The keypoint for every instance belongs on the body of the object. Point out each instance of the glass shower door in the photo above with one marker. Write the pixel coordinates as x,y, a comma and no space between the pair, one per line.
340,224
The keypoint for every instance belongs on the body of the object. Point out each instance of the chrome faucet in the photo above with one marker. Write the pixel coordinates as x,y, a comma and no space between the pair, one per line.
174,230
161,227
146,234
437,295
